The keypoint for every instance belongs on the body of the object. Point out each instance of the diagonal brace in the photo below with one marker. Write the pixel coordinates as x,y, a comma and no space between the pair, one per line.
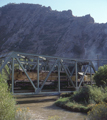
48,75
67,74
93,67
83,75
6,72
5,62
26,73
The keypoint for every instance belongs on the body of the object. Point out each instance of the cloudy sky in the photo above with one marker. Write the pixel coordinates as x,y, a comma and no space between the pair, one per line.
96,8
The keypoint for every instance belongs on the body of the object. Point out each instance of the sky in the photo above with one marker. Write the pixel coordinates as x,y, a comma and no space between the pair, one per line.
96,8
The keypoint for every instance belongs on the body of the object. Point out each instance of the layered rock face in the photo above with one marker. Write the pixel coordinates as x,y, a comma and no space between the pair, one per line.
40,30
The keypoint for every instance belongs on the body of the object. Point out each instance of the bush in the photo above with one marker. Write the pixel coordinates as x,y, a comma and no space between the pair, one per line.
8,109
84,99
100,76
88,95
23,114
7,102
99,112
54,118
62,101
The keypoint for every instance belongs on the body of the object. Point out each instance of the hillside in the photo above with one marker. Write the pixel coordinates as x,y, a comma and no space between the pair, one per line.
37,29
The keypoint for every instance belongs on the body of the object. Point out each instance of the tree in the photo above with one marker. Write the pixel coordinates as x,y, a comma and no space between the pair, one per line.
100,76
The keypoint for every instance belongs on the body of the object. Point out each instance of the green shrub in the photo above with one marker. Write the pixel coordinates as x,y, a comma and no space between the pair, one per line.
84,99
62,101
8,109
7,102
100,76
88,95
99,112
54,118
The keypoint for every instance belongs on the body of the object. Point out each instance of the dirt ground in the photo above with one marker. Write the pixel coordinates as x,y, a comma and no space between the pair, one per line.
43,106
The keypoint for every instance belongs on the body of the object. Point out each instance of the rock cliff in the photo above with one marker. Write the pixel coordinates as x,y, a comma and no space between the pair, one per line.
37,29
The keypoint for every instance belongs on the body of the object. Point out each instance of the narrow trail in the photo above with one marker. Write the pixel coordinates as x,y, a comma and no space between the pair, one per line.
43,106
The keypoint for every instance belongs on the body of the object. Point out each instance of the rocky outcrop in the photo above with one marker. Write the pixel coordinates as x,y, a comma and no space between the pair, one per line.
40,30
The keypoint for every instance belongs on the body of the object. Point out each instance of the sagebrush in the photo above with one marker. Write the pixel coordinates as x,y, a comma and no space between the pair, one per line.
99,112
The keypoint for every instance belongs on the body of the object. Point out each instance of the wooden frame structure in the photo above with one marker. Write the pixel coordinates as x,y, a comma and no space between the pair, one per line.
32,61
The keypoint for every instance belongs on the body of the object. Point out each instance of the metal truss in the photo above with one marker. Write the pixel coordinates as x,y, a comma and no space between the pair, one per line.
28,61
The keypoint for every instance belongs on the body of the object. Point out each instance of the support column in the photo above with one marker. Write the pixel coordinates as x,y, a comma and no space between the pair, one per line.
98,61
58,76
10,70
76,75
37,72
90,75
12,75
1,70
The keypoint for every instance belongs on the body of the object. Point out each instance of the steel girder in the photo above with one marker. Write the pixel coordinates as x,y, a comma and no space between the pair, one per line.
33,61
